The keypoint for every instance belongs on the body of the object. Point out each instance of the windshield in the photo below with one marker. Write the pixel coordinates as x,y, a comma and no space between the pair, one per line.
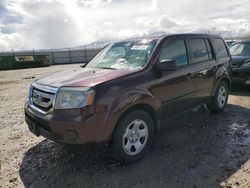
240,49
124,55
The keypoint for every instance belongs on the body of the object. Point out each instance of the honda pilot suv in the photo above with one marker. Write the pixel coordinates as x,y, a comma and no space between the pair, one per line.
129,90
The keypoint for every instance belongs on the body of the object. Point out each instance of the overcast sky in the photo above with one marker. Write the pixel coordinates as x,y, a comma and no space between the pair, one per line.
27,24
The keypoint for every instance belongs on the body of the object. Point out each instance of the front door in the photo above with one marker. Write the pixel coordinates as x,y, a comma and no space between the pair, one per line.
176,89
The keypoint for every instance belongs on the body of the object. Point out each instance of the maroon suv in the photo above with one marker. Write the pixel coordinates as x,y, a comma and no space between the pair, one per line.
129,90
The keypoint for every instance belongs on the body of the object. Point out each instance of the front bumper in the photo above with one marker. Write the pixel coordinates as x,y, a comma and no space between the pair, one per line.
67,126
241,75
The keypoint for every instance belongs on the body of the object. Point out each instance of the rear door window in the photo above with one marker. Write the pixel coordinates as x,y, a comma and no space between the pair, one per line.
199,50
176,50
220,48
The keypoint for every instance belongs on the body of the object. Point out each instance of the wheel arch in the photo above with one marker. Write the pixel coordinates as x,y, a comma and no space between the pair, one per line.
140,106
225,79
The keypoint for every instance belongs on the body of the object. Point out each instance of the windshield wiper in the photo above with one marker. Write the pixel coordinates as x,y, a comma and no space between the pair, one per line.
107,68
84,65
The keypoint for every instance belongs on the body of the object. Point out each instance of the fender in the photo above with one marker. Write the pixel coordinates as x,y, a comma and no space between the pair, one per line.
224,73
123,103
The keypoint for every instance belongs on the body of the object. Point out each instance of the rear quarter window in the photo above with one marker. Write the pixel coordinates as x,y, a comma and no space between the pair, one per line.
220,48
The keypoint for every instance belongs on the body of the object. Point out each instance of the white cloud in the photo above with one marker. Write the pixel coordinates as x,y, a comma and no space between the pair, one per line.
94,3
26,24
66,20
166,22
10,41
108,23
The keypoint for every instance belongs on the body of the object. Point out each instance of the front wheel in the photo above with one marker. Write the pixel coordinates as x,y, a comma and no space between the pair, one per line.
132,136
220,98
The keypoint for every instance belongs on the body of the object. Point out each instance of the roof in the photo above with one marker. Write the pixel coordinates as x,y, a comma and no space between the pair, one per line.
152,37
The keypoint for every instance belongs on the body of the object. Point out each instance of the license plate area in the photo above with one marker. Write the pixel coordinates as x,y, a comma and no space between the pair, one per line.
32,127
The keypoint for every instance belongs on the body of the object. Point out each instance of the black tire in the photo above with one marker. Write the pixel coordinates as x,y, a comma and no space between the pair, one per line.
120,138
215,106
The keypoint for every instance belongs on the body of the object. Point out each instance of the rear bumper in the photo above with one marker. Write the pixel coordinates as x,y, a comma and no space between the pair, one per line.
73,127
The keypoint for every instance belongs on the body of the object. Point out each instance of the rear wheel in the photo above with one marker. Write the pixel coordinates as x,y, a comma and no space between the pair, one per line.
132,136
220,98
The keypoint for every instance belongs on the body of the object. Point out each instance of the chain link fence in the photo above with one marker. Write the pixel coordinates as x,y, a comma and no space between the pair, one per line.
68,56
36,58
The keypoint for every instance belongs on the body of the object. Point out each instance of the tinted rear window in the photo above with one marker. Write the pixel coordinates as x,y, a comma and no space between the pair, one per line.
199,50
220,48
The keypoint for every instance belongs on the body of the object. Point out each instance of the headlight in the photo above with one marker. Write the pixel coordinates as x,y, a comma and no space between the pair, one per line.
30,93
74,97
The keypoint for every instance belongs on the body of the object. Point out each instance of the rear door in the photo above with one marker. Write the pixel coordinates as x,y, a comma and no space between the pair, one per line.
176,89
203,60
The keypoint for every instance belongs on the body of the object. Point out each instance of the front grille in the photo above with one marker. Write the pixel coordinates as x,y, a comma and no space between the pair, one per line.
234,65
42,97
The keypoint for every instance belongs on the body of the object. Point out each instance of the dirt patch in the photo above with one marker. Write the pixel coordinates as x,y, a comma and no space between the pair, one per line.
197,150
8,82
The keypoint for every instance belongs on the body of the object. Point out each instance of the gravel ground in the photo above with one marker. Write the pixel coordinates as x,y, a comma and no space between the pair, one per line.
197,150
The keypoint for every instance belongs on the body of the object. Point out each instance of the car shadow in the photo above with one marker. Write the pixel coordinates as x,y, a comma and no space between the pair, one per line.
197,150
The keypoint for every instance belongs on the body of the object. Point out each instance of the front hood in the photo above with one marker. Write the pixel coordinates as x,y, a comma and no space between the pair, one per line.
238,59
82,77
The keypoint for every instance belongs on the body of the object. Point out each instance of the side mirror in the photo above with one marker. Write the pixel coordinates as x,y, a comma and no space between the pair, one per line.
167,65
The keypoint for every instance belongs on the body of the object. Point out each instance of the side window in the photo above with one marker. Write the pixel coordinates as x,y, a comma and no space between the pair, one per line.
199,50
220,48
176,50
